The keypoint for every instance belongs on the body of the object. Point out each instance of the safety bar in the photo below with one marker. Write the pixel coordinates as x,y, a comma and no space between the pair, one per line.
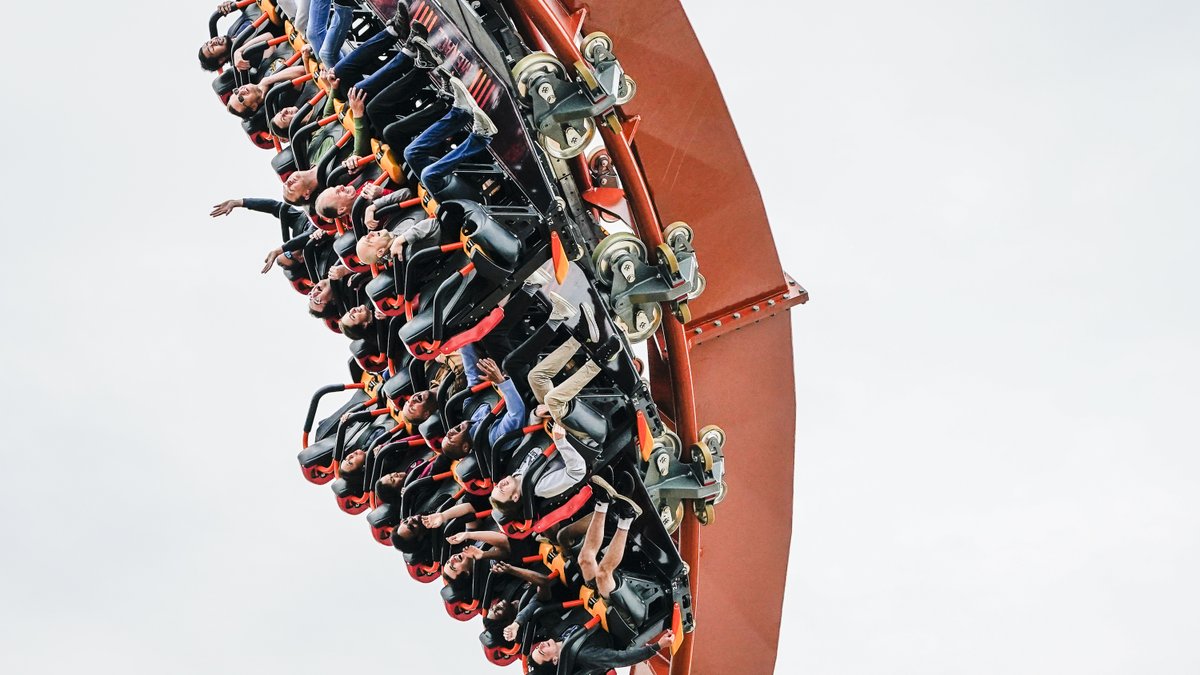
316,399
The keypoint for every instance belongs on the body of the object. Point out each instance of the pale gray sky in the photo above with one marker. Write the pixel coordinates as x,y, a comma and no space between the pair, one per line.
994,206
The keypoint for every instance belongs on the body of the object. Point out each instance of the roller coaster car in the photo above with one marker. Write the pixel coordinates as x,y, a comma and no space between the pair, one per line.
499,257
370,355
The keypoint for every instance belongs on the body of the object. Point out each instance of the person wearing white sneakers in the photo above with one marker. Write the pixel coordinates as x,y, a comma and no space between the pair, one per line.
421,155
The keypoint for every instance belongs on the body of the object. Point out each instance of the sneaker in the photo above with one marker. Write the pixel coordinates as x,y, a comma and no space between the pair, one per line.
560,309
400,21
419,29
424,56
538,278
483,125
606,492
625,509
462,98
589,316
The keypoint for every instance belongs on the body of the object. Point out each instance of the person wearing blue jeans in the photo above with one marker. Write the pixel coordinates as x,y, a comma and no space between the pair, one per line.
327,34
457,442
356,69
422,154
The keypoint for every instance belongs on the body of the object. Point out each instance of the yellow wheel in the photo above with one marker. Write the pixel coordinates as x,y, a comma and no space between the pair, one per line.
705,512
712,433
677,234
595,45
666,256
702,455
682,312
671,517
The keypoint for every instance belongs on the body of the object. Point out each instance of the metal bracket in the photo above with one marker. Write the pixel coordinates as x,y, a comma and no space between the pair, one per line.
753,312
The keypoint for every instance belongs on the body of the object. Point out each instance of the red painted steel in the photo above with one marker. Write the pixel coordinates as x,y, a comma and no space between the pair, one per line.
688,164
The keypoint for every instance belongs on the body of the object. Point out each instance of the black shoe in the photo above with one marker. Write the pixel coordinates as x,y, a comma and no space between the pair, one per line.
605,493
424,56
418,30
400,21
609,350
625,509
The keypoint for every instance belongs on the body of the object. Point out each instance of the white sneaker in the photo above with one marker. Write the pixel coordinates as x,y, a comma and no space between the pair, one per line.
560,309
483,125
540,277
589,315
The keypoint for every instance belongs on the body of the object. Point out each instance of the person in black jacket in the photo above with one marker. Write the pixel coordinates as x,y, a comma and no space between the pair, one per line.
597,655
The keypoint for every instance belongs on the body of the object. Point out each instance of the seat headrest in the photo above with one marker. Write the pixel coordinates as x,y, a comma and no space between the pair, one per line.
432,428
344,247
398,386
585,419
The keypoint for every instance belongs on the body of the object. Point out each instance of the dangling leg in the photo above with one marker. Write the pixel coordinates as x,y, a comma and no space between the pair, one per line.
592,541
541,378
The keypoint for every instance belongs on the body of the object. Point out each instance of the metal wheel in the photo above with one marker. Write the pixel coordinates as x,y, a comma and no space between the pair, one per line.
531,66
573,147
722,493
677,234
670,442
682,312
646,328
702,455
671,518
705,512
626,90
712,433
667,257
595,45
611,248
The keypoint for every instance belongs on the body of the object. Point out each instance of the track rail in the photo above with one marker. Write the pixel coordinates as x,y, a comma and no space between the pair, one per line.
735,322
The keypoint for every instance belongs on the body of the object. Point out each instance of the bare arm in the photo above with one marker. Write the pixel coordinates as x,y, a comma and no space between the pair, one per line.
435,520
497,539
290,73
239,54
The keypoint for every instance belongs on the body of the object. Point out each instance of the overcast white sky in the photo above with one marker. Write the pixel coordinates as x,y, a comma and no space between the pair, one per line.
994,206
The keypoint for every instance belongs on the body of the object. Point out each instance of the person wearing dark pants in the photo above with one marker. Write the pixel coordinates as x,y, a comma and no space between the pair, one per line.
422,155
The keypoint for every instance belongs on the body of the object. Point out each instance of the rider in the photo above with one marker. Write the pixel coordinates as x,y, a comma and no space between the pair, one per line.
597,652
457,442
422,154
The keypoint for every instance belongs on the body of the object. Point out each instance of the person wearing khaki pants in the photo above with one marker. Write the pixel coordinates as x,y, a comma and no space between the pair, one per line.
558,398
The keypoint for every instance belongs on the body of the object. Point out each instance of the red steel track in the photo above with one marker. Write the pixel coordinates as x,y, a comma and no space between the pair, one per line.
688,164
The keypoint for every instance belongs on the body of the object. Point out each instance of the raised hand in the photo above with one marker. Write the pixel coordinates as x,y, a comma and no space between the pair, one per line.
225,208
358,102
272,256
491,371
